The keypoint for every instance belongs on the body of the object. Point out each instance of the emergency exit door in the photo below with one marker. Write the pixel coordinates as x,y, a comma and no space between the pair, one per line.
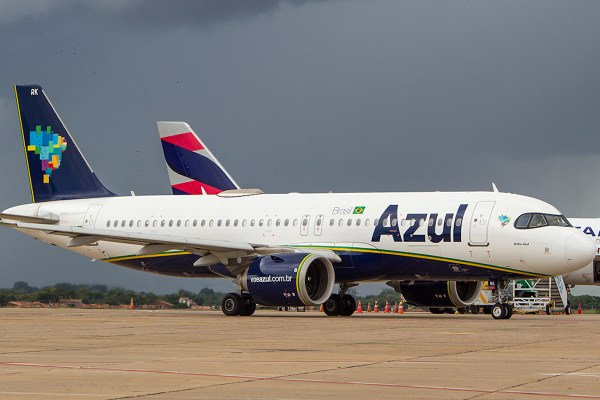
480,221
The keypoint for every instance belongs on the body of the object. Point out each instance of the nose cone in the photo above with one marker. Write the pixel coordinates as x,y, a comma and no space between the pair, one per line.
579,251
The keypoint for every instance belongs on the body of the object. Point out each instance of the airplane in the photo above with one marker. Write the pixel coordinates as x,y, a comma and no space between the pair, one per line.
204,171
436,248
590,274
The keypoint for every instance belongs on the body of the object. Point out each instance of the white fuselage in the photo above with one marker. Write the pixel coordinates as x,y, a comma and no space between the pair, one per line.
462,235
590,274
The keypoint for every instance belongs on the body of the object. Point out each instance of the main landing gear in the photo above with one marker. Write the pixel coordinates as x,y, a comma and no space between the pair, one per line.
340,304
502,309
235,304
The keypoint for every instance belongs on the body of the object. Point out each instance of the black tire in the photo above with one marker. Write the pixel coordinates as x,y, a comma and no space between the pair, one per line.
568,310
487,310
461,310
348,305
474,309
231,304
248,309
333,305
509,311
449,310
548,309
436,310
499,311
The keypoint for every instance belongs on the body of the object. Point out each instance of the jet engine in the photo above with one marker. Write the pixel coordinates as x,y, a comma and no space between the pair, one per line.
294,279
441,294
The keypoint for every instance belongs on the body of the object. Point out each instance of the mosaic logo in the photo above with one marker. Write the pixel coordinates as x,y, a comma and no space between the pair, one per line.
504,220
49,146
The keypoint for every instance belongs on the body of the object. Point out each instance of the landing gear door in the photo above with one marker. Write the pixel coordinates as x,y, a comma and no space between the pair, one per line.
480,221
304,224
90,216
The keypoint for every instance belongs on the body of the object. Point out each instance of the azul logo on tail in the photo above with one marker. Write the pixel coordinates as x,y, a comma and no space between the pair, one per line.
49,146
451,226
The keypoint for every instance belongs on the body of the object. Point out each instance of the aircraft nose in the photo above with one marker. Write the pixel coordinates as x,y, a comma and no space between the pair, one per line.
579,251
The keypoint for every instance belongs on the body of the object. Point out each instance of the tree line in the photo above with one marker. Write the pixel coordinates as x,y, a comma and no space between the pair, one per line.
103,294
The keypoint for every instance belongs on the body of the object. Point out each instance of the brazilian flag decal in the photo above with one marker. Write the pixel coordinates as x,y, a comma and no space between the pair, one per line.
358,210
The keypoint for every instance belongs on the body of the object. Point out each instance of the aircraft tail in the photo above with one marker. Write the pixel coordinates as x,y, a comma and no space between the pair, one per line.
192,168
57,169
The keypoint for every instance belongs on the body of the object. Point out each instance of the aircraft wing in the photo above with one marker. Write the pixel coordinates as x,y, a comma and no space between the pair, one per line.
210,251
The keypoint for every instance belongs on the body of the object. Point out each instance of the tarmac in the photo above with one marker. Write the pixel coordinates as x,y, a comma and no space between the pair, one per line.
123,354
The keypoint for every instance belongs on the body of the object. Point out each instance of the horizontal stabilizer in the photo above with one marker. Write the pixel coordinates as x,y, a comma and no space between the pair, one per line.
50,219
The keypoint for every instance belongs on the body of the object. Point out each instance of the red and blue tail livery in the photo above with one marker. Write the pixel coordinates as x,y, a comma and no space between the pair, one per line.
57,169
192,168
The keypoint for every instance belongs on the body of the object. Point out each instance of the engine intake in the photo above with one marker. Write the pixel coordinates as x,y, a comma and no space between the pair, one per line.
441,294
294,279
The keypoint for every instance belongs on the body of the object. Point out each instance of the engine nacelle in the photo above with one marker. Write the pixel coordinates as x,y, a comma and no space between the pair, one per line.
294,279
441,294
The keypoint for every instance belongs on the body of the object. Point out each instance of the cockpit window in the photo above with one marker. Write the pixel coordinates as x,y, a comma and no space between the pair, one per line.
537,220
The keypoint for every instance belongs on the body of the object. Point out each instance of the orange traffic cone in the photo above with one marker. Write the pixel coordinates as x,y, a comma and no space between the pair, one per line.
359,308
376,309
387,307
369,307
131,306
579,309
395,309
400,308
321,308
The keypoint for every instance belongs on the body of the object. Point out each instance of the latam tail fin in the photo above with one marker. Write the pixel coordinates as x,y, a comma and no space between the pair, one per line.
57,169
192,168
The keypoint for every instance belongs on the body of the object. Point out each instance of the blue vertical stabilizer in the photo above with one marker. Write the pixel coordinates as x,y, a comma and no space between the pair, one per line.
57,169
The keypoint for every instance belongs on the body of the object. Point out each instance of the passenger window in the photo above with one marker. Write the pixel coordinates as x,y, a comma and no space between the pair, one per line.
203,223
349,223
211,223
269,222
358,222
147,223
186,223
376,221
139,224
430,221
178,222
413,222
367,222
331,222
131,223
440,221
287,222
195,223
252,222
123,224
219,222
395,222
305,222
340,222
449,221
227,223
244,222
295,223
261,222
170,222
278,222
108,224
421,221
235,223
155,223
458,221
162,223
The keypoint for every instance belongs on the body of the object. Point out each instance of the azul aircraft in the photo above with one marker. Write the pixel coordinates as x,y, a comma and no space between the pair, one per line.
290,249
590,274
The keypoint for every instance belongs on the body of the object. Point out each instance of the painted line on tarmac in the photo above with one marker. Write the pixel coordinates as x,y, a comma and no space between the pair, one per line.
46,394
302,380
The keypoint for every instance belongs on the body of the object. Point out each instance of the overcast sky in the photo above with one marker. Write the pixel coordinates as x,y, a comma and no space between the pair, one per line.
308,96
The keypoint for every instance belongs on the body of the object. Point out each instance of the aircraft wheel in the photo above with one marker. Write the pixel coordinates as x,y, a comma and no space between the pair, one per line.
487,310
232,304
474,309
499,311
248,305
436,310
348,305
509,311
333,305
568,310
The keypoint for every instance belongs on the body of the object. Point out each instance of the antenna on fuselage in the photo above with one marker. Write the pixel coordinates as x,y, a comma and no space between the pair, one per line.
494,188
